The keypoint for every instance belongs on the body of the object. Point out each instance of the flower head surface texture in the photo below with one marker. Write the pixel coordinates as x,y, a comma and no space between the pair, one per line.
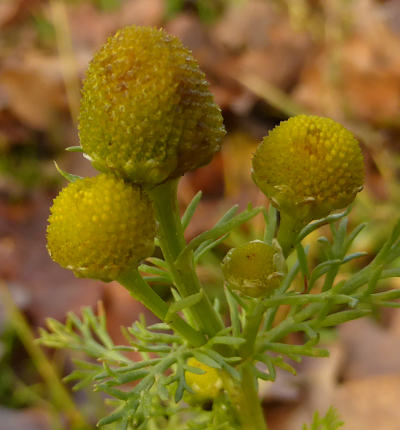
309,166
254,268
207,385
147,114
100,227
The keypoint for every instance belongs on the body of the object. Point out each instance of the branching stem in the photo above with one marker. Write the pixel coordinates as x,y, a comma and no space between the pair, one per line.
172,242
141,291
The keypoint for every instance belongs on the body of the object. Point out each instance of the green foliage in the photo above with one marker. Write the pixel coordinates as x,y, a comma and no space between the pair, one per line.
68,176
44,29
154,399
9,394
330,421
307,166
207,10
159,376
103,5
173,7
108,5
24,166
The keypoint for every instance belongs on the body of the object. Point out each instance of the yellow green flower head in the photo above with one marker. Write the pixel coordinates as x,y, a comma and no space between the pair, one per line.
309,166
255,268
207,385
147,113
100,227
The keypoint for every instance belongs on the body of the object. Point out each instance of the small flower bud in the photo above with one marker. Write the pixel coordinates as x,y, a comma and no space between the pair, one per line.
99,227
255,268
309,166
147,113
207,385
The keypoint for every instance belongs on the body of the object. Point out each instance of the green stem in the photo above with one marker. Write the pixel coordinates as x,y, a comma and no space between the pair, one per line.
253,321
58,392
166,208
289,228
247,402
172,242
141,291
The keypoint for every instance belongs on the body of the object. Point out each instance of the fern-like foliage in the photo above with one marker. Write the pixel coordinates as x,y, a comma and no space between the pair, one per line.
152,392
331,421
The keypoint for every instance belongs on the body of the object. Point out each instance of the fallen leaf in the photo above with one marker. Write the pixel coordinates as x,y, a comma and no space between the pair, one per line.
33,87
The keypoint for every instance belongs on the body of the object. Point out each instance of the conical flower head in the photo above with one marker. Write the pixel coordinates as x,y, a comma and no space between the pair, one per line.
147,114
309,166
255,268
99,227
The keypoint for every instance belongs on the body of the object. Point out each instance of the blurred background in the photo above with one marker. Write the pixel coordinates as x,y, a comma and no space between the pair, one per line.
265,60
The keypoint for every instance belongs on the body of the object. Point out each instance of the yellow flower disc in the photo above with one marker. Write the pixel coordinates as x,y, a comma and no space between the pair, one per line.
146,113
207,385
100,227
254,268
309,166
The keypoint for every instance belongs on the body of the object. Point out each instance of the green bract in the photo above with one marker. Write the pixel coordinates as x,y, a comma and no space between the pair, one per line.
100,227
255,268
309,166
147,114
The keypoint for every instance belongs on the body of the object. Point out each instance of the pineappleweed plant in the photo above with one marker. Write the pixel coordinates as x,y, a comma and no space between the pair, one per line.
147,117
